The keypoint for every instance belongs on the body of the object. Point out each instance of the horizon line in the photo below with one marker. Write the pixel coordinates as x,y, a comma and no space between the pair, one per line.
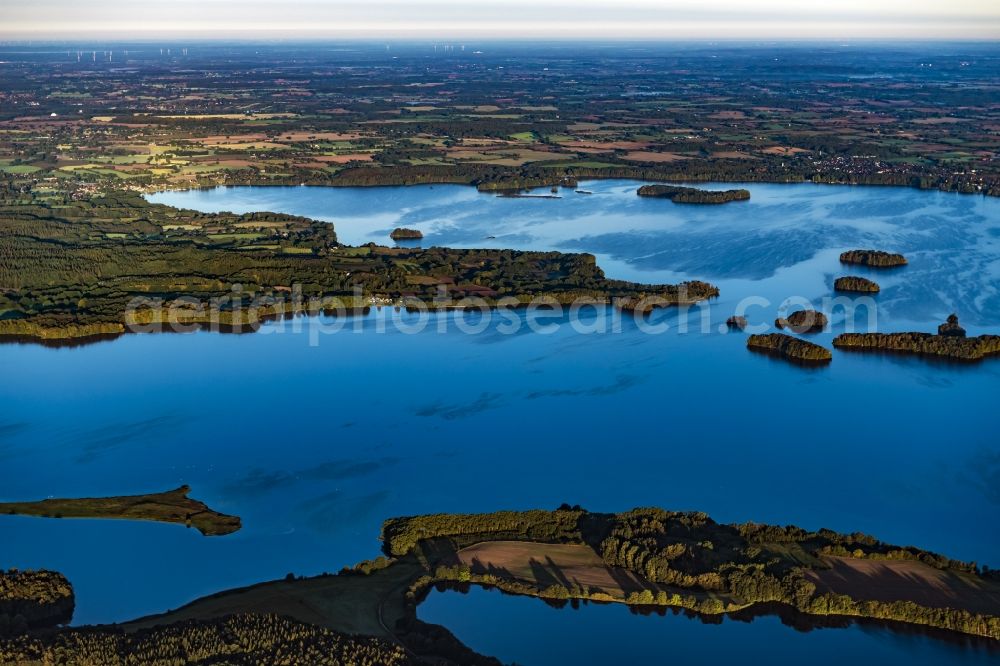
268,36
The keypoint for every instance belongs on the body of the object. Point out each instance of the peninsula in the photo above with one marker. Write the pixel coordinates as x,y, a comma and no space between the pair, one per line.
644,557
70,269
170,507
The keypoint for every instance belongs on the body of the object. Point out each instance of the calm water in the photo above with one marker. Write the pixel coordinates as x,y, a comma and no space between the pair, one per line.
315,445
526,631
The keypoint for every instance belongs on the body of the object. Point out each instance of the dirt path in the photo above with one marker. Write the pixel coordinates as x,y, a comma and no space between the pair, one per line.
355,604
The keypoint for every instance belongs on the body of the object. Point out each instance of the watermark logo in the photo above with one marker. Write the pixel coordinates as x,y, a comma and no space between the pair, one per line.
287,310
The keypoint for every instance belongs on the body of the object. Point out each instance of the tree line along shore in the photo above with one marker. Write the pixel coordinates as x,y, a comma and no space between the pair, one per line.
686,559
70,269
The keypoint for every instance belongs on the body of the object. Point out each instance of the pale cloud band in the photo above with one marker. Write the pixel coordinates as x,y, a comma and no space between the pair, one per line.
558,19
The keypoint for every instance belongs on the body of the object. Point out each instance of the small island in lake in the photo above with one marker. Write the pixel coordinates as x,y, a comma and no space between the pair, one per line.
525,195
790,348
856,284
400,233
693,195
950,342
872,258
737,322
173,506
803,321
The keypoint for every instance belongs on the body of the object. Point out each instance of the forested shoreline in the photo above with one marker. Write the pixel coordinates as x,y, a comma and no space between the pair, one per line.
102,265
711,568
677,559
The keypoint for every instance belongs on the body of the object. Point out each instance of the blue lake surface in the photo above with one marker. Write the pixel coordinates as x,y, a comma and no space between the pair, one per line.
314,437
526,631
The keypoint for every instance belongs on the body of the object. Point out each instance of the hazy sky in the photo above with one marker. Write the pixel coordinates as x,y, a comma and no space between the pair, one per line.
549,19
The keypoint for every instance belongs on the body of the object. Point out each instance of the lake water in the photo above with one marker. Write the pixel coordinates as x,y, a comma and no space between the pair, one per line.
315,438
527,631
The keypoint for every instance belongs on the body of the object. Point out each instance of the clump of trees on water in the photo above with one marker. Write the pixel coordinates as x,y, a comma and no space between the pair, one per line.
803,321
873,258
399,233
854,283
693,195
32,599
927,344
790,347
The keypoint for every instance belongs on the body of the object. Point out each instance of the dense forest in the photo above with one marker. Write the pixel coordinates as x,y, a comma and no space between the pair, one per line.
239,639
71,268
33,599
924,344
693,195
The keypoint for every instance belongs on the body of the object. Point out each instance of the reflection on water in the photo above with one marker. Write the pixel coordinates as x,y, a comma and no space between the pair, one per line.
529,631
314,446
